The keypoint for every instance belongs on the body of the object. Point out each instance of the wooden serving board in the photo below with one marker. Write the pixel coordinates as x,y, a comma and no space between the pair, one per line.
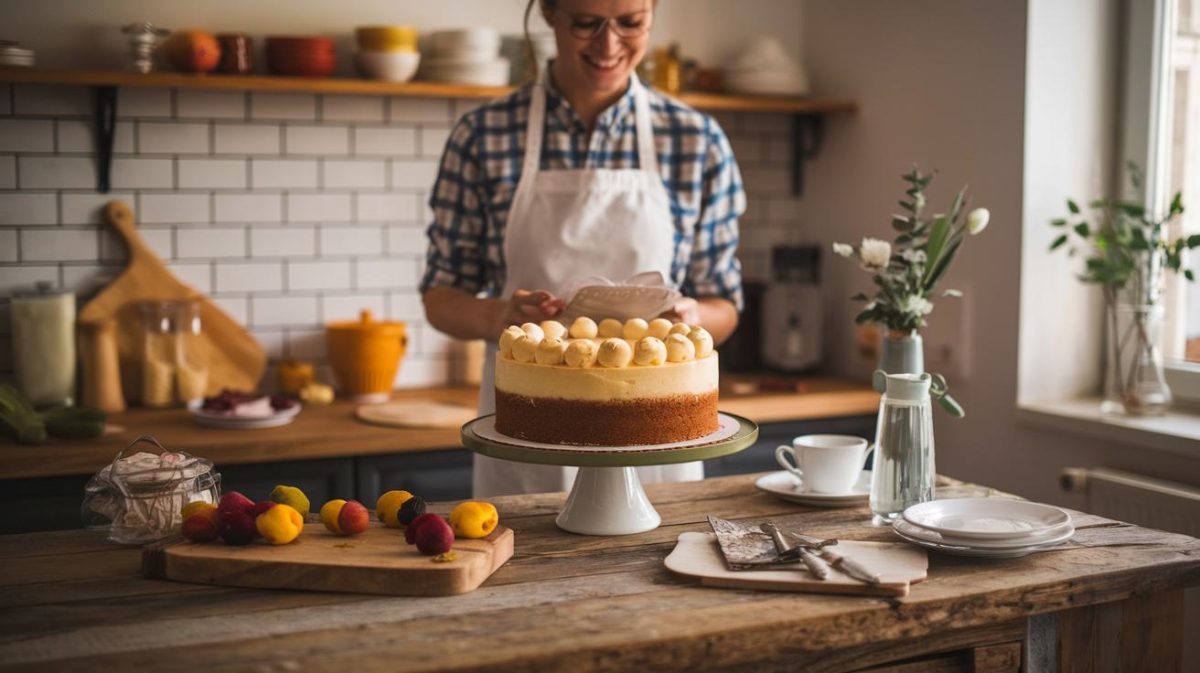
378,561
235,358
407,414
697,555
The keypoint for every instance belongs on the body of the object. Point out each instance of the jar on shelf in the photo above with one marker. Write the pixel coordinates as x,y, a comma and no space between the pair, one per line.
191,353
158,354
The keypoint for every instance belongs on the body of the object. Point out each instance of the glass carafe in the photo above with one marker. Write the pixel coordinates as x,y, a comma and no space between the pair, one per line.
903,473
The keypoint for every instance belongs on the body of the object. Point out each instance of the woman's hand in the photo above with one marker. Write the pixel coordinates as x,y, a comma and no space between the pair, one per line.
685,310
530,306
718,316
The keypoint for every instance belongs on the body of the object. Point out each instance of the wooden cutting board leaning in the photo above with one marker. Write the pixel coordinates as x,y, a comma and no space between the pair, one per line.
377,561
235,359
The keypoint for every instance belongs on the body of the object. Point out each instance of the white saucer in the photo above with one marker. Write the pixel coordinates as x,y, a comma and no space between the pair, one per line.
784,485
986,518
1050,537
978,552
227,422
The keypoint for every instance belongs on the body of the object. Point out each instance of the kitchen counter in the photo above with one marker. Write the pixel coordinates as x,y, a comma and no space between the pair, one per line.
333,432
69,601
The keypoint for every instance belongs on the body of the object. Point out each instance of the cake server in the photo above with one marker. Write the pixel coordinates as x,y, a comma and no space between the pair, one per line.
814,563
847,565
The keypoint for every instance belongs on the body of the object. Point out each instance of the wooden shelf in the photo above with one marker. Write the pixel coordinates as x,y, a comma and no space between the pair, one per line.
350,85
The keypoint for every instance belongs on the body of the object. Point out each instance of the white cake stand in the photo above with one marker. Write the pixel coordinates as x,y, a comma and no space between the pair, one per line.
607,497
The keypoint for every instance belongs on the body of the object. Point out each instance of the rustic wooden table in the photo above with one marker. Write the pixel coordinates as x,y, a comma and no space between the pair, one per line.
1113,596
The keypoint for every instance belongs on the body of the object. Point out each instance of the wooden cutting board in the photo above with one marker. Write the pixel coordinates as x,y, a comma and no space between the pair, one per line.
404,414
235,358
378,561
697,555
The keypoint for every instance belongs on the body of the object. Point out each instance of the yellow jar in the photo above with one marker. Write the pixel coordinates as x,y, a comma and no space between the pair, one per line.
365,355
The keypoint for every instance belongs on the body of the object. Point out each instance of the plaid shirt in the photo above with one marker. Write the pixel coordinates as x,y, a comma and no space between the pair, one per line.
481,167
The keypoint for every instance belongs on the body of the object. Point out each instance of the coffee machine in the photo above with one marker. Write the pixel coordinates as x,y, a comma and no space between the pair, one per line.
792,309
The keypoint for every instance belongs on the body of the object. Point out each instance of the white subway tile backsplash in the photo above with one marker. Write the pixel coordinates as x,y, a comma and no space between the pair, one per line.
352,108
237,308
129,173
249,276
17,278
392,274
8,245
174,208
322,139
354,174
212,173
433,140
414,174
419,372
88,207
389,207
26,135
306,344
159,239
59,245
86,279
405,306
349,307
218,242
210,104
56,172
143,102
173,138
319,207
292,310
433,342
28,208
50,100
282,241
8,172
283,173
351,241
246,138
407,240
385,141
196,274
283,106
255,207
318,276
417,110
77,135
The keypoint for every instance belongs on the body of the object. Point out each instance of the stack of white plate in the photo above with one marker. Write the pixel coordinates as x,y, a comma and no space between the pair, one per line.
984,527
764,68
468,56
12,53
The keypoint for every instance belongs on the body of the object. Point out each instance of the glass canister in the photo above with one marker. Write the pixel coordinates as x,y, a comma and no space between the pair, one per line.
191,353
904,470
43,339
158,353
138,497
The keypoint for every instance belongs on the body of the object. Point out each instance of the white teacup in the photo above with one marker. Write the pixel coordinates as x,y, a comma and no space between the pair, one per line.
825,463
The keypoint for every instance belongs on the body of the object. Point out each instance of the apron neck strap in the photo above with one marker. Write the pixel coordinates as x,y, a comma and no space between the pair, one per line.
535,127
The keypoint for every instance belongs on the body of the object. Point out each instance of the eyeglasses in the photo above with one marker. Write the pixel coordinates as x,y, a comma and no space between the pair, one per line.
589,27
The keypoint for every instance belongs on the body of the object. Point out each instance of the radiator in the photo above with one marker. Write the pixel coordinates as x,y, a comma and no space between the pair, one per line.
1137,499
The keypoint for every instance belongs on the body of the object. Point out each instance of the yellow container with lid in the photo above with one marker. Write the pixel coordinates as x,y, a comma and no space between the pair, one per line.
365,355
386,38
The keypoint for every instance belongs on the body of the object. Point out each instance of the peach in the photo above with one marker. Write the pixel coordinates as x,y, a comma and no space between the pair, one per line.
353,518
237,528
234,502
434,537
261,507
410,533
200,528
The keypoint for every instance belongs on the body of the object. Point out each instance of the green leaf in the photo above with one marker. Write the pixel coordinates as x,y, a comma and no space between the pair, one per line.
1135,210
1187,273
1176,205
937,243
901,223
951,406
1060,222
910,207
1073,207
936,270
1083,229
1193,241
1058,242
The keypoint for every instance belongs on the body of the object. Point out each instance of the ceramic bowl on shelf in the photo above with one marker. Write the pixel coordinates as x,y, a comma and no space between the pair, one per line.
386,38
483,42
388,66
301,56
491,73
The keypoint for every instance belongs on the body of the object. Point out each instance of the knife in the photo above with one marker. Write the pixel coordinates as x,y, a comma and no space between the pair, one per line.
814,563
848,566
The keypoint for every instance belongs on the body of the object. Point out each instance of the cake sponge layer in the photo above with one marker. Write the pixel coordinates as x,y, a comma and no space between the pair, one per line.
657,420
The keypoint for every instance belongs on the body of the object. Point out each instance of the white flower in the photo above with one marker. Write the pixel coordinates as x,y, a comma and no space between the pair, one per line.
875,254
913,256
977,220
915,304
843,249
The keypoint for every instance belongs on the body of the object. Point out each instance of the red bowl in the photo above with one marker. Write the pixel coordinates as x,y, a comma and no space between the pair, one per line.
299,67
300,43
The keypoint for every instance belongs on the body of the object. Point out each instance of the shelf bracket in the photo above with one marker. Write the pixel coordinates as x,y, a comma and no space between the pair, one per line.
808,133
105,118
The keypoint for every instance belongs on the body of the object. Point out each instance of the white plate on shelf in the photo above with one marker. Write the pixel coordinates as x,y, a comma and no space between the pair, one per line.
784,485
986,518
1053,536
225,421
976,552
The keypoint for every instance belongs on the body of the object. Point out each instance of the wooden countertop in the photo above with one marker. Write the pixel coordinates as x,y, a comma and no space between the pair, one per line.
332,431
70,601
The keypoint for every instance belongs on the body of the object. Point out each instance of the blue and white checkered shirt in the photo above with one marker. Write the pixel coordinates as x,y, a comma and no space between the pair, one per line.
481,167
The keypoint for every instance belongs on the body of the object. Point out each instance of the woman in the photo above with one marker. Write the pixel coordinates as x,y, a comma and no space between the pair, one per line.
584,172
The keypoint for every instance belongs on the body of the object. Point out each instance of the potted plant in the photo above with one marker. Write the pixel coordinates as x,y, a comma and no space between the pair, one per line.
1127,252
906,273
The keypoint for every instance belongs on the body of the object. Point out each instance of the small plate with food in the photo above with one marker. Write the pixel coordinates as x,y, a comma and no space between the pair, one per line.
243,411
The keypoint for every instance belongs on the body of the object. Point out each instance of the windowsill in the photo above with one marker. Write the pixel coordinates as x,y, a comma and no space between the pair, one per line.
1176,432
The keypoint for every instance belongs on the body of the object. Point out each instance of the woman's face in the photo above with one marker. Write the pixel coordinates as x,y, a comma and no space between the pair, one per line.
600,42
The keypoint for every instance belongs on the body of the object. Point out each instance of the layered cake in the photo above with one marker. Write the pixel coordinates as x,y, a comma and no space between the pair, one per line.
612,384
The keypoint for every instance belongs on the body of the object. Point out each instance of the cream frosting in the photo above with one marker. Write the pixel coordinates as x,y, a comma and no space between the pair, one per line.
601,384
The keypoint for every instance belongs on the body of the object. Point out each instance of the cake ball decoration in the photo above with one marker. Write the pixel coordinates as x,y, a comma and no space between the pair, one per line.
581,353
507,337
583,328
533,331
659,328
553,329
679,328
614,352
702,340
679,348
609,328
649,351
550,351
634,329
524,348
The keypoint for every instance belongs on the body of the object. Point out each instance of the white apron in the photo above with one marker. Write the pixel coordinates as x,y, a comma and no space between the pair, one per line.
565,224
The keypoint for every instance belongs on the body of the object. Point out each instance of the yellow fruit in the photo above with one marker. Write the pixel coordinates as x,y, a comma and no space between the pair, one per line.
329,514
474,519
195,508
279,525
292,497
388,506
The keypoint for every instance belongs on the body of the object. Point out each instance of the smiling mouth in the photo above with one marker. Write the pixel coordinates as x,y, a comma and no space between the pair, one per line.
604,65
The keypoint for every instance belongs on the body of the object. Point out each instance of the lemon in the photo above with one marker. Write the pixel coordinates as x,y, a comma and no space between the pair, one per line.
474,519
389,505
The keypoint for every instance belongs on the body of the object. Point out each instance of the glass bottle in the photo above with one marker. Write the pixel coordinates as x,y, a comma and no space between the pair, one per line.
191,353
158,354
903,474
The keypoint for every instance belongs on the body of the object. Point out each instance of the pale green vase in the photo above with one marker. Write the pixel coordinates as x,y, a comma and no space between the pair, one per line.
900,354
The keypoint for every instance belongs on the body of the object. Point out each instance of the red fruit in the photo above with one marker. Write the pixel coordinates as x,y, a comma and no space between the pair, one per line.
233,502
237,528
261,506
410,533
192,50
434,537
353,518
200,528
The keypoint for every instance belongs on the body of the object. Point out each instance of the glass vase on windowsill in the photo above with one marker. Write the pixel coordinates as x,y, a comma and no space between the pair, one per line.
1134,382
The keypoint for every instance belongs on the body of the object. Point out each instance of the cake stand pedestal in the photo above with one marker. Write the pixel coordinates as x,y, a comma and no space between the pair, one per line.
607,497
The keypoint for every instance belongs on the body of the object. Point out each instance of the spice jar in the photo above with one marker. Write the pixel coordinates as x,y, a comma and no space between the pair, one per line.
191,353
137,498
158,354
